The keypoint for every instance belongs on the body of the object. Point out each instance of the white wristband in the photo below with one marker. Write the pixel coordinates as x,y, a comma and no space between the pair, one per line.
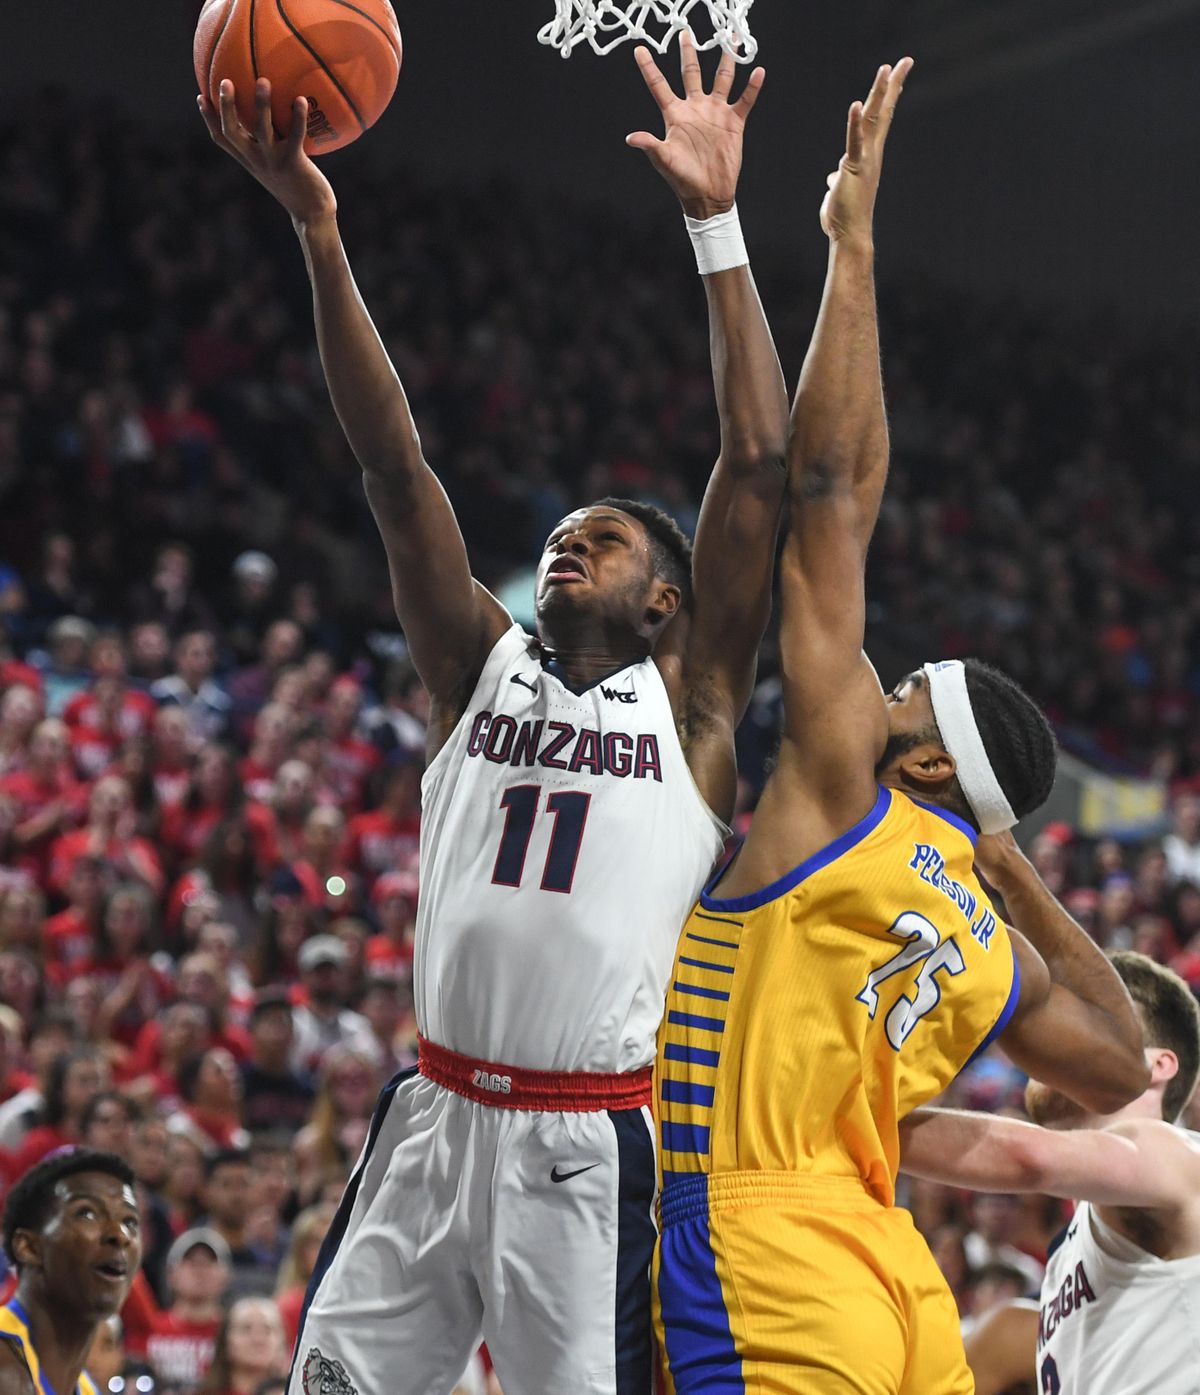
718,242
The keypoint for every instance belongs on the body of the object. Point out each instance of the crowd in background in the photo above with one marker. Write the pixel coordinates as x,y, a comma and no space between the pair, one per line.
211,738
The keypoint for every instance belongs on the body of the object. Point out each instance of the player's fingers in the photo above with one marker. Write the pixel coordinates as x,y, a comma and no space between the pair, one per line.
231,125
689,66
295,140
854,133
643,140
264,129
894,88
872,108
723,81
210,116
754,84
655,79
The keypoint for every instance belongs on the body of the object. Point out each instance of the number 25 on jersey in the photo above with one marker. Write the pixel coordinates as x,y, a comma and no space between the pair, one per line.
924,946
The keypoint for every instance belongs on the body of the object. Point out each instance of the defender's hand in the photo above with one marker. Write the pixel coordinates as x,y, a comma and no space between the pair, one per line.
279,165
701,156
849,207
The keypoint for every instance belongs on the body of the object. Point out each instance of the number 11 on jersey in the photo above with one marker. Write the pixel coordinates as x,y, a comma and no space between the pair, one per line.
520,803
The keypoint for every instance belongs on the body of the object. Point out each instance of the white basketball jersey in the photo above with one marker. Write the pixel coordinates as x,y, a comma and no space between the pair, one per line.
1115,1319
563,843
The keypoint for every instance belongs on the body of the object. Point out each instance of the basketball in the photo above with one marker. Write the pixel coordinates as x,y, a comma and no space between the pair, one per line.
345,58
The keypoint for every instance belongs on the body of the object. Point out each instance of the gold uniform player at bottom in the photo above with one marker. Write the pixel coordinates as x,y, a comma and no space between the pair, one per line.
859,985
14,1329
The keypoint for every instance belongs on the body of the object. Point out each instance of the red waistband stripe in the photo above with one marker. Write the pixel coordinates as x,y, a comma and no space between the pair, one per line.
510,1087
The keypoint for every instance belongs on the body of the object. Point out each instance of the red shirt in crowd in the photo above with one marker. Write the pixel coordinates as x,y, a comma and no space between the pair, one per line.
181,1351
378,842
31,796
136,714
136,855
67,940
349,764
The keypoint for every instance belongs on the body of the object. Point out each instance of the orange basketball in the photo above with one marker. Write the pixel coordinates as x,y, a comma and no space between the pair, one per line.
344,57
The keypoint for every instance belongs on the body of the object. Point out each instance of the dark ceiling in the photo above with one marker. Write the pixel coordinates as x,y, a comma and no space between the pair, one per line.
1048,148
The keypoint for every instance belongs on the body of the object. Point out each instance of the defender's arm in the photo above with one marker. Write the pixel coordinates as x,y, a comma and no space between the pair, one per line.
1075,1027
835,722
1143,1163
713,676
450,621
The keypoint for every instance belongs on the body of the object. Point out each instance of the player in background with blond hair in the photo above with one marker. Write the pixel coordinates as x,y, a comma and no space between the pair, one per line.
576,796
1121,1294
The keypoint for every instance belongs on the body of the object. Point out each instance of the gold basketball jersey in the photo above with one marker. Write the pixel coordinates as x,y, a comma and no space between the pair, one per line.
806,1020
14,1328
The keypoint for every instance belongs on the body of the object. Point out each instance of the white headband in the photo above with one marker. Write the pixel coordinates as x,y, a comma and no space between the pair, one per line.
956,722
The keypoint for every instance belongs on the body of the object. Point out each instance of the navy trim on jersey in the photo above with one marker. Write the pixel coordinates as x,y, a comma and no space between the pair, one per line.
341,1221
635,1251
790,880
555,669
1006,1012
951,818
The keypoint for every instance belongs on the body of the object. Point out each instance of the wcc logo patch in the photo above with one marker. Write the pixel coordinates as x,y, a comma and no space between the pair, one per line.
325,1377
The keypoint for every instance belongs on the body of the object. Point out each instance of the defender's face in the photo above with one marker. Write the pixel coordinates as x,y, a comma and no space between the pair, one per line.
90,1249
910,710
596,559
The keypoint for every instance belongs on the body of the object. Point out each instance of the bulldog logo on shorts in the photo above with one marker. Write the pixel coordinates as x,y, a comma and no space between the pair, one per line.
325,1377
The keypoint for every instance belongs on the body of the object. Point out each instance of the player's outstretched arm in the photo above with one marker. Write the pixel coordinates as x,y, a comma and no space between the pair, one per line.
734,554
1144,1163
1075,1027
835,725
450,621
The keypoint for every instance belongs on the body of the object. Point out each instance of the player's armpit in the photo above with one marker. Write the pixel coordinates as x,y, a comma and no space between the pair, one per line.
1062,1039
1002,1349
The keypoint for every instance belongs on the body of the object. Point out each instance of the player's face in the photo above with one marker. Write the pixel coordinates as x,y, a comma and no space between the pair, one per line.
90,1249
910,713
596,560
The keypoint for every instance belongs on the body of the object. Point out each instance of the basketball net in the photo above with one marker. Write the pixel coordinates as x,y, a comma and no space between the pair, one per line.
606,23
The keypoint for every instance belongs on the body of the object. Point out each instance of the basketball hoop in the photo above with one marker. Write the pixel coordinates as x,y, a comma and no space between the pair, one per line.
606,23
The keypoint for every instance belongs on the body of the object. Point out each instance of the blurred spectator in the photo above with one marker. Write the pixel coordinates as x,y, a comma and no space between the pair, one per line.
228,1202
348,1084
274,1094
391,950
323,1019
387,838
210,1087
107,1123
1182,844
301,1259
182,1340
249,1349
192,687
106,1358
989,1241
72,1081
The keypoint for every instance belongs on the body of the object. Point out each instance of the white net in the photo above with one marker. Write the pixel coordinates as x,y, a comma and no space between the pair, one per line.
606,23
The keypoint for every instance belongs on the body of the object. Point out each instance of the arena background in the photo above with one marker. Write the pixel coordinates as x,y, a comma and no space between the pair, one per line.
1040,297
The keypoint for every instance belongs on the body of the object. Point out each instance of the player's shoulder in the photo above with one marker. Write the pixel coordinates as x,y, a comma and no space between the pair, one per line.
15,1375
1160,1135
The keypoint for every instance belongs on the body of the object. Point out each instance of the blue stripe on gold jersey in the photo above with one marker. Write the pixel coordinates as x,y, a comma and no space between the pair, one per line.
806,1020
14,1328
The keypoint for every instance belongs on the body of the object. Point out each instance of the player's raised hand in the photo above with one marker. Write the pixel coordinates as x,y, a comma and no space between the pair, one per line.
701,154
849,207
278,163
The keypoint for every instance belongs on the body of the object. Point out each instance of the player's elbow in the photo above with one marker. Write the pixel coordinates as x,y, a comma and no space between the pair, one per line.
1130,1078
